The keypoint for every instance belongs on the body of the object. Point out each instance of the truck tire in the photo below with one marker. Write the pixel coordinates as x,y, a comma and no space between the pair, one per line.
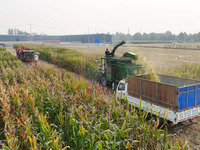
104,81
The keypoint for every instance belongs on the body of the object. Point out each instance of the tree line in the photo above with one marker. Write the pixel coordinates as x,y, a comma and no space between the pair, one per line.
165,37
15,31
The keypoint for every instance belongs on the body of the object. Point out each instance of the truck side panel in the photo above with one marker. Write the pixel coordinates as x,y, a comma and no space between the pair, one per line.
155,92
178,96
166,93
182,101
173,116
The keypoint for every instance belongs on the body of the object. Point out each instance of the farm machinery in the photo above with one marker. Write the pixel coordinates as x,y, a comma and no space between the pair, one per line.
27,55
113,69
171,98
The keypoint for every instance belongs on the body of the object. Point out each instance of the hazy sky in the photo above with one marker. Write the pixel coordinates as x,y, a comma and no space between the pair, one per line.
102,16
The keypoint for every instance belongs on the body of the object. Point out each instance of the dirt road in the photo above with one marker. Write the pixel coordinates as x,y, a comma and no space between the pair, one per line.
12,50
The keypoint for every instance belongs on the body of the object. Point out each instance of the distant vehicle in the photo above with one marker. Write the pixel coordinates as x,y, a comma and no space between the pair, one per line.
174,99
2,44
113,69
174,43
27,55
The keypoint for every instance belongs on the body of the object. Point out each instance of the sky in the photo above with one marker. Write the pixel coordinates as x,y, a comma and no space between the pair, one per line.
68,17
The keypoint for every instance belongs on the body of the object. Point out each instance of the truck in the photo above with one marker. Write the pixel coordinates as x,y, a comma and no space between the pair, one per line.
174,99
113,68
27,55
3,44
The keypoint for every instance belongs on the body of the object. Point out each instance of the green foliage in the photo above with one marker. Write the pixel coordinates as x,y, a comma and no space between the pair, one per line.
6,57
15,46
148,42
157,37
2,48
191,71
48,108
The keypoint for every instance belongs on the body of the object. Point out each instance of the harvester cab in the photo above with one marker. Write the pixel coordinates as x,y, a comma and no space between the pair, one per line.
27,55
113,69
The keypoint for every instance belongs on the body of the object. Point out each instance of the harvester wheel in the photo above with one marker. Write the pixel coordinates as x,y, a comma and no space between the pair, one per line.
104,81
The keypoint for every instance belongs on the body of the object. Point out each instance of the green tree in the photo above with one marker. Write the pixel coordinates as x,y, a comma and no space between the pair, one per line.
10,31
181,37
137,36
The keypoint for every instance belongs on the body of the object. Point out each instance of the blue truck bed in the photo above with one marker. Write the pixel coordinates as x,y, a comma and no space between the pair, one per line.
171,92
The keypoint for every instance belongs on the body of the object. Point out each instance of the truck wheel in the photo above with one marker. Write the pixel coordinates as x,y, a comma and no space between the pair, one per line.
104,81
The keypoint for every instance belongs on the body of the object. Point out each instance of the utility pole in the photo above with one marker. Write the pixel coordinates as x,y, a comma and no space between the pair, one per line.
128,30
30,33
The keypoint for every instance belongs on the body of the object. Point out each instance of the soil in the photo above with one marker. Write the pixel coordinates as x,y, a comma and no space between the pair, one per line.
187,131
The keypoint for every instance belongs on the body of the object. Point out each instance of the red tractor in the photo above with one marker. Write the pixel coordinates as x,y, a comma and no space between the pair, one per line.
27,55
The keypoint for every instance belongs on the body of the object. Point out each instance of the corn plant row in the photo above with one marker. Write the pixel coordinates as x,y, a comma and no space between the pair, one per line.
72,60
48,108
2,48
191,71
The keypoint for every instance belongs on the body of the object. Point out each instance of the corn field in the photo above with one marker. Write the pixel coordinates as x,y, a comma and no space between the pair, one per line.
43,107
72,60
2,48
191,71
